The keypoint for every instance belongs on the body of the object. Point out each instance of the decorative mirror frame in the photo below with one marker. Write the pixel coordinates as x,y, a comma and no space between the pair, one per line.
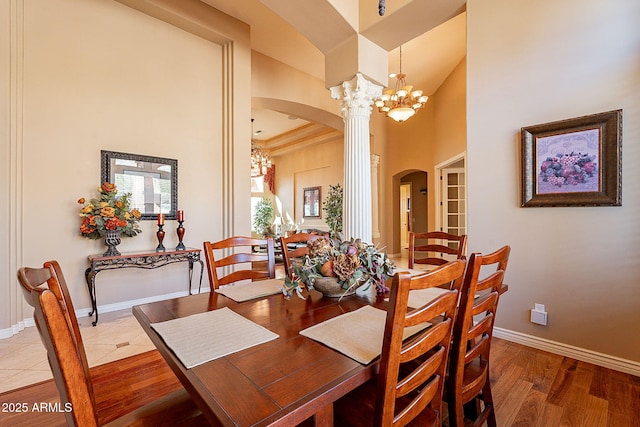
108,175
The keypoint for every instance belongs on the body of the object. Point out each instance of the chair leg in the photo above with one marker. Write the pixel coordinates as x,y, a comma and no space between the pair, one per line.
488,404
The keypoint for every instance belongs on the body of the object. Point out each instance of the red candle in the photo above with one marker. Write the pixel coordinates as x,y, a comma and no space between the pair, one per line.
180,215
160,219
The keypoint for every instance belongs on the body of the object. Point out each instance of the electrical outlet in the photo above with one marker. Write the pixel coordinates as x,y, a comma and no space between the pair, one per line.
539,315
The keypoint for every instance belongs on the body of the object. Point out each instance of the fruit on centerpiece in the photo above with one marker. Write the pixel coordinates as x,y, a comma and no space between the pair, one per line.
327,269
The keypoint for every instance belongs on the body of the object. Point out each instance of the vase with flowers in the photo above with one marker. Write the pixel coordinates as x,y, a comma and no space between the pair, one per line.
109,217
350,265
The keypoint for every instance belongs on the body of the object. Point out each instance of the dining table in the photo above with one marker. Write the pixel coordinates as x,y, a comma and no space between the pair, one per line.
280,382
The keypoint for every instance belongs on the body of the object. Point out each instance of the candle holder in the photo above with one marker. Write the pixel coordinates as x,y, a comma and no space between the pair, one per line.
160,234
180,231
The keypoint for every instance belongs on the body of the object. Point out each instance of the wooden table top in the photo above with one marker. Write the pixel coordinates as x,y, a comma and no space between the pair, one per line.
278,383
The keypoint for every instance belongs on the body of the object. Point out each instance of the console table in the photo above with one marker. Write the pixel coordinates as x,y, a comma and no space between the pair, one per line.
148,260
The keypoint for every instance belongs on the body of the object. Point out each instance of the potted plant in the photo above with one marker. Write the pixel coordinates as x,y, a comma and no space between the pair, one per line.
263,218
332,207
350,265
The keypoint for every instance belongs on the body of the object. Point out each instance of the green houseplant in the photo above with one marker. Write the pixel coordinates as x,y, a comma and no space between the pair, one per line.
263,218
332,207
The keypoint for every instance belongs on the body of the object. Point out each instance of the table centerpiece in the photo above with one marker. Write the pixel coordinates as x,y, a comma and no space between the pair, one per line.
348,265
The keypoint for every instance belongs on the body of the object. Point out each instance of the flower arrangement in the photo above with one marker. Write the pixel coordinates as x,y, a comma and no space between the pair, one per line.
352,263
109,212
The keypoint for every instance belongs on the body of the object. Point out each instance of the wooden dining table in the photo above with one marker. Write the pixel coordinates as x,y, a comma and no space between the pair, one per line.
278,383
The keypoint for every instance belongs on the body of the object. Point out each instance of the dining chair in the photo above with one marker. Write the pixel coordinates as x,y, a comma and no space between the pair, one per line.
46,291
468,389
295,246
428,248
408,389
237,250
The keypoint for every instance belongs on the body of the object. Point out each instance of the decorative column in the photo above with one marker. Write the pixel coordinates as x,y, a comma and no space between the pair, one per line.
375,162
356,98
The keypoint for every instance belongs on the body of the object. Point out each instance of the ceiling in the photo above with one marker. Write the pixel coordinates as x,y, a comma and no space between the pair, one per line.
432,34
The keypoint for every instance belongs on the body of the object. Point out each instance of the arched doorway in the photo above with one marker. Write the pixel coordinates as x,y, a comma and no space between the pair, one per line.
411,207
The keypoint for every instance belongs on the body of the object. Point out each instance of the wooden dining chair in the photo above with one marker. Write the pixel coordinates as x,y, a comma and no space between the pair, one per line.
46,291
428,248
294,247
468,386
237,250
408,389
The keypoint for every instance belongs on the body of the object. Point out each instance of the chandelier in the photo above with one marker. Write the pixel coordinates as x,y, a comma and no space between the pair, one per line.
402,102
260,161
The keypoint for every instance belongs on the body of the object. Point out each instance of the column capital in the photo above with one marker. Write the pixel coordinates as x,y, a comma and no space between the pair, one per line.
356,96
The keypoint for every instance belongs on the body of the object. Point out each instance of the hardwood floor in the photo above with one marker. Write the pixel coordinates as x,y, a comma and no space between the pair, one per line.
534,388
531,388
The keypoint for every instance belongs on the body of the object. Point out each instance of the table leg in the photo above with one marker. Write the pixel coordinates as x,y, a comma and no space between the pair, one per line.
90,276
324,417
190,272
201,272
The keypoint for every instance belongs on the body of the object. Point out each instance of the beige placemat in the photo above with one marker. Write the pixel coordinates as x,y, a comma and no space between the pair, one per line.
251,290
420,297
357,334
412,271
202,337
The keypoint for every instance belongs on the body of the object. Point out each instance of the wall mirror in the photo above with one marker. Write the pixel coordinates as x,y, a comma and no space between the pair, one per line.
152,181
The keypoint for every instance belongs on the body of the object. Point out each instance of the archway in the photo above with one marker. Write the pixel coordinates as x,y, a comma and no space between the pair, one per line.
412,202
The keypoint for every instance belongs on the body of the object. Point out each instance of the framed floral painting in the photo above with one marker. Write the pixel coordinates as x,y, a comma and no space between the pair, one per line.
311,202
574,162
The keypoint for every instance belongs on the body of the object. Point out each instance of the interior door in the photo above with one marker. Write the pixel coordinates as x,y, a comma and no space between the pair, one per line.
454,219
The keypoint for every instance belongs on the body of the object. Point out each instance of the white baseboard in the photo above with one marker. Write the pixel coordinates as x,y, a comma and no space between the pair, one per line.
107,308
600,359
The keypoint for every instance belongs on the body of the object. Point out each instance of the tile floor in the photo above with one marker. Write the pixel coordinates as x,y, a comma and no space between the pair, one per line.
118,334
23,359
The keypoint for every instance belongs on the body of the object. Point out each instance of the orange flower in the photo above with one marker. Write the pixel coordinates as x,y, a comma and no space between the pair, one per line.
108,187
111,224
119,204
136,213
92,220
121,222
107,211
81,200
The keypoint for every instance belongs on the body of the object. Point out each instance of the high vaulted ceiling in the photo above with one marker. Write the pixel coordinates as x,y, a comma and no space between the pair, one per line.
432,34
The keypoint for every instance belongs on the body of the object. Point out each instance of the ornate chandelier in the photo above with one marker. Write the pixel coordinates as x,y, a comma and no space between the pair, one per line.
402,102
260,161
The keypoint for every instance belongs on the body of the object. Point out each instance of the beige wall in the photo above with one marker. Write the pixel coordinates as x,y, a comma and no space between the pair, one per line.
531,63
317,166
98,75
432,136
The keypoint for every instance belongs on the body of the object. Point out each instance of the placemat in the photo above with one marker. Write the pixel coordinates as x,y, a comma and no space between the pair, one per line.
412,271
420,297
357,334
202,337
252,290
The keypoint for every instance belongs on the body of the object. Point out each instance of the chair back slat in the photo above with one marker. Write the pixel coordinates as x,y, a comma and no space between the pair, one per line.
427,248
404,390
235,251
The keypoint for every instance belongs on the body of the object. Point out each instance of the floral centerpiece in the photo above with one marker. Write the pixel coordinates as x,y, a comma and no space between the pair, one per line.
353,264
110,212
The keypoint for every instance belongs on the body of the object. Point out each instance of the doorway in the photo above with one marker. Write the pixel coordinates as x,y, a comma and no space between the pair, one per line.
451,217
405,216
